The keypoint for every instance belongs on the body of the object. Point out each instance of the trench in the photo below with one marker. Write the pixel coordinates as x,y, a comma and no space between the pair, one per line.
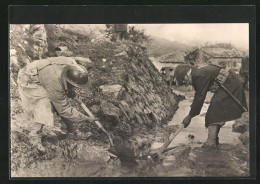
187,160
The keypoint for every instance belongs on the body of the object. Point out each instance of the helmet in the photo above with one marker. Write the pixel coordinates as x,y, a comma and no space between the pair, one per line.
76,75
180,72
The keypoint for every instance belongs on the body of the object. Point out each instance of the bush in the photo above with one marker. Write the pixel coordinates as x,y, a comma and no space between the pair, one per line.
137,36
133,34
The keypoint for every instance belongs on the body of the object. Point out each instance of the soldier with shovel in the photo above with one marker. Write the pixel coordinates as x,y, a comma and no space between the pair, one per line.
45,86
228,102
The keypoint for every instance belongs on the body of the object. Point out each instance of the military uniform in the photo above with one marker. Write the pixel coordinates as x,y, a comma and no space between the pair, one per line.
222,107
120,30
41,88
40,84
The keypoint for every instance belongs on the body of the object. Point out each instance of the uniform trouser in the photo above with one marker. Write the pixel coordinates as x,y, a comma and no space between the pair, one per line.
213,131
120,35
34,98
70,125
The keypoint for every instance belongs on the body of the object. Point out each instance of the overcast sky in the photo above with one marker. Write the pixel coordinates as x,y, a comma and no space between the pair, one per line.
235,33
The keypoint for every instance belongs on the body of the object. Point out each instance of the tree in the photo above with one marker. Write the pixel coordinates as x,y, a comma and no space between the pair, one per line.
137,36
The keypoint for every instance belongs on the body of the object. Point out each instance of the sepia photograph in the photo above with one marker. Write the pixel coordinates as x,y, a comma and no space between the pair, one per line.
129,100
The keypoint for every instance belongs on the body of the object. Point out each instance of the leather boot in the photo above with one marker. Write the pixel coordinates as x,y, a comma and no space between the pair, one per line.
212,137
36,141
217,138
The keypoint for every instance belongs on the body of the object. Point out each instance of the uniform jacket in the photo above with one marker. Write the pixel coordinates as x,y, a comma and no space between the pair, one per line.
222,107
49,75
120,27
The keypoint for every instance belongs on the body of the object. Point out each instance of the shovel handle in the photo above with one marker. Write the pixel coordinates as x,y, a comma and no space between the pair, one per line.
170,140
96,122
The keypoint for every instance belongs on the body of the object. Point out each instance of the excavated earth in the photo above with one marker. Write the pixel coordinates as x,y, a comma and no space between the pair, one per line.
133,103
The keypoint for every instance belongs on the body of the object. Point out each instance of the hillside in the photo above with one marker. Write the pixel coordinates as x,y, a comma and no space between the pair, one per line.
160,46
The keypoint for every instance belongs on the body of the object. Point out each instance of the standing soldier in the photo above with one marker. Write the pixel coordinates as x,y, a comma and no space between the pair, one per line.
39,38
120,31
223,106
45,85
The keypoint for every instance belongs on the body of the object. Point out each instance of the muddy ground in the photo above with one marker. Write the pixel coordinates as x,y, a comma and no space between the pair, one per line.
188,159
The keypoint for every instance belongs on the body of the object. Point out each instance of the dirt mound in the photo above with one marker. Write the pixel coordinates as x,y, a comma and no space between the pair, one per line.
126,91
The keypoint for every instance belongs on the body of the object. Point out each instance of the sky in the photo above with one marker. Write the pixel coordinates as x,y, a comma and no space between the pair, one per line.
193,34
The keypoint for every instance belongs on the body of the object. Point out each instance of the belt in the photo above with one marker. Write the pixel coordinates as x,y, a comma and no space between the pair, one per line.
222,77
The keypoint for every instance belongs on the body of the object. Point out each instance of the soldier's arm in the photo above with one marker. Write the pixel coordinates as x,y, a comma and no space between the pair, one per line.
61,103
201,85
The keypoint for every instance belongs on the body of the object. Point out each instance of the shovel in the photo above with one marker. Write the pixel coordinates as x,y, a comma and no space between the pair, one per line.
96,122
124,153
164,148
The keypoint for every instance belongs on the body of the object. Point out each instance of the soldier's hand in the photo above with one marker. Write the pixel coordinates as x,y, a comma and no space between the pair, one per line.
92,119
186,121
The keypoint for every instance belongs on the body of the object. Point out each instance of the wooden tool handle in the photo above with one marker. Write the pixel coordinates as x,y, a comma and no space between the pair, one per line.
96,122
170,140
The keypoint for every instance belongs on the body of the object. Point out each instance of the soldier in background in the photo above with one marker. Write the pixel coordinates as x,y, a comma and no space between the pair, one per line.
120,31
38,37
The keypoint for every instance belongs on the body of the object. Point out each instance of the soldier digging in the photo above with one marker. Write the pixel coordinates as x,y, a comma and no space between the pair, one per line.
45,86
228,102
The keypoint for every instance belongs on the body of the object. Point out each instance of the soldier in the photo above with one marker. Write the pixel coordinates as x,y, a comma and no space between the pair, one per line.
120,31
222,107
45,85
39,38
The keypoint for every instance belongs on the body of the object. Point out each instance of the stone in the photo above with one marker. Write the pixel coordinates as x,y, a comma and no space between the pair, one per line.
121,48
94,108
169,160
111,90
122,54
109,109
139,119
129,99
125,105
244,138
138,109
83,60
240,127
13,60
131,112
12,52
191,136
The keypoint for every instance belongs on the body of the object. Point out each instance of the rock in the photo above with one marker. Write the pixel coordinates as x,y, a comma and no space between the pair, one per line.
138,109
12,52
181,152
121,48
191,136
111,90
94,108
129,99
240,127
139,119
13,60
244,138
109,109
125,105
122,54
169,160
63,51
82,60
